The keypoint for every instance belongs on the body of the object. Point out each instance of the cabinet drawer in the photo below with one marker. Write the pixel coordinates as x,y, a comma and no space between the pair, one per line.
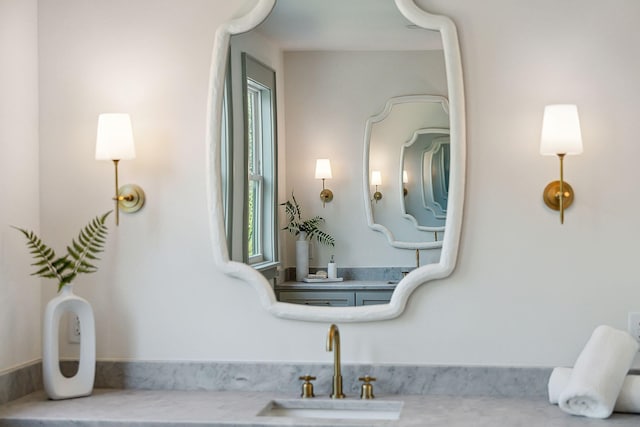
319,298
373,297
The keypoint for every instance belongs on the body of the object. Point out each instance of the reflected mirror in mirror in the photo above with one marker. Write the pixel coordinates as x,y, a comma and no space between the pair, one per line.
426,159
412,214
333,70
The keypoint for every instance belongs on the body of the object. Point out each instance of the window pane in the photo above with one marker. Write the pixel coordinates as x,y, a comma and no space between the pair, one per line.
252,220
255,216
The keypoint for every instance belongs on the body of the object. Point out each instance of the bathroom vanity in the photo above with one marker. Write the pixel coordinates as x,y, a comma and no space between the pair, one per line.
169,408
338,294
259,394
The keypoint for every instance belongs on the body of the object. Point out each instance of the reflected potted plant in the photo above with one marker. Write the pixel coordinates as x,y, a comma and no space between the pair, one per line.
306,230
79,259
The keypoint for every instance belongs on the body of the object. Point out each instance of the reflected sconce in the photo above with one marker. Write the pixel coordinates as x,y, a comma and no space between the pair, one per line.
115,142
376,179
560,136
405,181
323,171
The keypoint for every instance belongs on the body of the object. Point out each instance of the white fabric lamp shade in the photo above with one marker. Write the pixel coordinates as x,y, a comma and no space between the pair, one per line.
323,169
561,130
115,137
376,178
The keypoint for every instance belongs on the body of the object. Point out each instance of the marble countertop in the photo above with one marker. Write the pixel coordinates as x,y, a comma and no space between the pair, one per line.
167,408
343,286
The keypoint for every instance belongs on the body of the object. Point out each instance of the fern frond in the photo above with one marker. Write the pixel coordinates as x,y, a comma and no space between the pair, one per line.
295,225
90,241
44,255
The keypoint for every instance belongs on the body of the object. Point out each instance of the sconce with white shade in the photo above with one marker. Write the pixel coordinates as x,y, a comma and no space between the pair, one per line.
561,136
323,171
114,142
376,180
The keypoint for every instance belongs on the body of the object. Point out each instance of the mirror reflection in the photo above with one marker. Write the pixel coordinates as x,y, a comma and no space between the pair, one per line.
427,205
413,210
330,71
426,159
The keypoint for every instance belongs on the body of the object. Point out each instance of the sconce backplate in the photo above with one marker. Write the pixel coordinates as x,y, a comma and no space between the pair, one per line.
326,195
551,195
130,198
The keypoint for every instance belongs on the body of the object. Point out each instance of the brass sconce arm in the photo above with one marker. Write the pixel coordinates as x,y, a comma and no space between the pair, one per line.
558,195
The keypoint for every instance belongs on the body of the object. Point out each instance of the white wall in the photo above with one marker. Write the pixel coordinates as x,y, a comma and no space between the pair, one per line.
19,293
527,291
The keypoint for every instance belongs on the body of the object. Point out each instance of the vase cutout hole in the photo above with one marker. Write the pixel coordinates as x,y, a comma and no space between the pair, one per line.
69,339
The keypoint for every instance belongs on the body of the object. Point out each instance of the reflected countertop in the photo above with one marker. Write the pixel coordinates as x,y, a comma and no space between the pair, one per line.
374,285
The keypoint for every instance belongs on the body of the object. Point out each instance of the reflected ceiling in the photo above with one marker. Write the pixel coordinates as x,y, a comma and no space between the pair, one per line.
329,25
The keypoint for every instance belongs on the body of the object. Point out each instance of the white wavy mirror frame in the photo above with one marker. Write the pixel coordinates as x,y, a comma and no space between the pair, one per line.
414,279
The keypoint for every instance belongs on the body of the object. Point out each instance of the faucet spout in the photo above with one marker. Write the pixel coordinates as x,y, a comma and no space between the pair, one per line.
333,344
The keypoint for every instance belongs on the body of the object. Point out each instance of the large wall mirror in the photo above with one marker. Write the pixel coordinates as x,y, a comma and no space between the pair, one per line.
383,40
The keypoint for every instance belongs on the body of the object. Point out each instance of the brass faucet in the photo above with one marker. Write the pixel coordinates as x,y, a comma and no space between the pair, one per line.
333,344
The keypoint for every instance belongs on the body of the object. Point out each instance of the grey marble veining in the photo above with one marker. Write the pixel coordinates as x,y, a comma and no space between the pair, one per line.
20,382
169,408
391,379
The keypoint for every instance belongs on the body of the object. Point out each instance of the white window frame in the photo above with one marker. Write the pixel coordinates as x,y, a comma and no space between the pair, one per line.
259,85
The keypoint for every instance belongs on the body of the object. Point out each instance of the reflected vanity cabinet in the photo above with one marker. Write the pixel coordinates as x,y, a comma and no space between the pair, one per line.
335,298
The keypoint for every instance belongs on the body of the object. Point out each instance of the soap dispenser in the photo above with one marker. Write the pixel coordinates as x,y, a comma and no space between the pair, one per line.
332,269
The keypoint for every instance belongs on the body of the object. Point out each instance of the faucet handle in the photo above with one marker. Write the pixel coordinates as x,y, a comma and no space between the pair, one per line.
367,388
307,387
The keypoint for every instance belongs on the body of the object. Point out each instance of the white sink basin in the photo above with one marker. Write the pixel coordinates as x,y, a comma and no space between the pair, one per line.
333,409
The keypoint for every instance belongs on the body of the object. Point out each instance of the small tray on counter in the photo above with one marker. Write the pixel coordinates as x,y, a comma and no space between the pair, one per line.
320,280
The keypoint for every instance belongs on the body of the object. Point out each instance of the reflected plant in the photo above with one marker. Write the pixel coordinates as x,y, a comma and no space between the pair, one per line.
311,227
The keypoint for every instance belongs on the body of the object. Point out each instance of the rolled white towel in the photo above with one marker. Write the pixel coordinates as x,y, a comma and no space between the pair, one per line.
628,399
599,373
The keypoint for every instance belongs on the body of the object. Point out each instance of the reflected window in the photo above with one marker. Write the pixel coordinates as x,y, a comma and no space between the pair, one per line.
255,195
260,152
226,156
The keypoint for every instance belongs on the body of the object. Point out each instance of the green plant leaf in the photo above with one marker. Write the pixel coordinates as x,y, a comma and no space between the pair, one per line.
43,256
90,241
311,226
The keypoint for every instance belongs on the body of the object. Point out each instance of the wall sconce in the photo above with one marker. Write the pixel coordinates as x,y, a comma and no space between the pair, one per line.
115,142
376,179
323,171
405,181
560,136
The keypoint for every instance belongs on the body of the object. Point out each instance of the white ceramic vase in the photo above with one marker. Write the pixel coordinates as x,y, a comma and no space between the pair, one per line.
302,257
56,385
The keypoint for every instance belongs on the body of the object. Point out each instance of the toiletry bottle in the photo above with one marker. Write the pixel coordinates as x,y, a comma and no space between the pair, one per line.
332,269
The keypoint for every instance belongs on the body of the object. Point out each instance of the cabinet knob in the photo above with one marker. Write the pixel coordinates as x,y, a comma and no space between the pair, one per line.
307,387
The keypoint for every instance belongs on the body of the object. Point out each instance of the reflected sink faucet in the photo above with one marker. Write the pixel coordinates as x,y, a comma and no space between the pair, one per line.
333,344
